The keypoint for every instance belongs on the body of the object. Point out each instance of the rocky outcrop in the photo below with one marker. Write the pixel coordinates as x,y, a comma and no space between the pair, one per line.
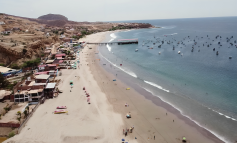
8,55
53,17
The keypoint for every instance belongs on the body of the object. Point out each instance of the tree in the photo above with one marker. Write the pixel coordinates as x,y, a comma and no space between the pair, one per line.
25,113
18,116
15,66
3,81
24,51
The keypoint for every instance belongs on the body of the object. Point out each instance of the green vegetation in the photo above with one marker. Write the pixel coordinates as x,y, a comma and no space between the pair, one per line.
117,28
31,63
42,55
53,57
3,81
61,47
14,66
3,65
11,134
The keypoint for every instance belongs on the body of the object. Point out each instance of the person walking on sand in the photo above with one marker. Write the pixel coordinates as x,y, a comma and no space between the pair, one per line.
154,137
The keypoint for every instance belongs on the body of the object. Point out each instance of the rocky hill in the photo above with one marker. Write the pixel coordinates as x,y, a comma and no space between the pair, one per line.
53,17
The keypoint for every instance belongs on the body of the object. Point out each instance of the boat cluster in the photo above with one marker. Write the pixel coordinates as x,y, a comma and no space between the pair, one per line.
196,43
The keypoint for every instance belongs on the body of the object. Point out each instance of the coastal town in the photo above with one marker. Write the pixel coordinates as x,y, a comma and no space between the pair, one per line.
54,89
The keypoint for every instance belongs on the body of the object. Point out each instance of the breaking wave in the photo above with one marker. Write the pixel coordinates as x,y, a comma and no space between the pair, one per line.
228,117
155,85
109,48
126,71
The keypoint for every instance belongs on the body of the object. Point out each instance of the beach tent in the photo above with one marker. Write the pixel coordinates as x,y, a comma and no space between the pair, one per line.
114,80
127,88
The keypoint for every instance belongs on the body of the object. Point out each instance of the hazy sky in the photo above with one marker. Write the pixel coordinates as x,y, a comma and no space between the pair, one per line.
115,10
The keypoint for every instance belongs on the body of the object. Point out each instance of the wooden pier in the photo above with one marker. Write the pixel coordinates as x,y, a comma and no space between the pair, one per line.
111,43
119,42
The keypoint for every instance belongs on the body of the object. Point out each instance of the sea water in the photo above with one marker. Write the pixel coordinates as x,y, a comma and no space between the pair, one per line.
199,83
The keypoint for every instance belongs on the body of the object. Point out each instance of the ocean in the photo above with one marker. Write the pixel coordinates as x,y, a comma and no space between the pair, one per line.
183,68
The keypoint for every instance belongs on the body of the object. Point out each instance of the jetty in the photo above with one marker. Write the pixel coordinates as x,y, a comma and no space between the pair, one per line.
119,42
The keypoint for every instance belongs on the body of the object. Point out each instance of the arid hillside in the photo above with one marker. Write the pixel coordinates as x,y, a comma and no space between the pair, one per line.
24,39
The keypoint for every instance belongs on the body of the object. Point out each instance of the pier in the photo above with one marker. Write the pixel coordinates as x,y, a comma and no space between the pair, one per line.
119,42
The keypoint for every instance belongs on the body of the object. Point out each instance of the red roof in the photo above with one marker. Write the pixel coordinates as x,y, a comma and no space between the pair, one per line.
61,61
60,55
59,58
42,66
52,65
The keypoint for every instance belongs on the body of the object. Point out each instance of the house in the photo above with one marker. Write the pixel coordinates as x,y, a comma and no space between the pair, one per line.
57,61
47,67
42,78
49,91
49,61
4,95
31,95
60,56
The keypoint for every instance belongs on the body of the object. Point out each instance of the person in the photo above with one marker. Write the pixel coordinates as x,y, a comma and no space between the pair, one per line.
125,134
154,137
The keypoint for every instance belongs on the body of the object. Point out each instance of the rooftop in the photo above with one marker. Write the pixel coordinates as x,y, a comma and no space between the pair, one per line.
42,76
50,85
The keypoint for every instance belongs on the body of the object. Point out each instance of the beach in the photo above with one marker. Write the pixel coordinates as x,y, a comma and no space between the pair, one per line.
105,118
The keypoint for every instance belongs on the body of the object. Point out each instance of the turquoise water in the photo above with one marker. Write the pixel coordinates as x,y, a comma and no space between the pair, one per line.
199,83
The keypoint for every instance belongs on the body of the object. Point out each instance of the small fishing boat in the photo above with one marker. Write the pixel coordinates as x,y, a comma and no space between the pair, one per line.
62,107
159,53
178,52
230,57
136,50
60,111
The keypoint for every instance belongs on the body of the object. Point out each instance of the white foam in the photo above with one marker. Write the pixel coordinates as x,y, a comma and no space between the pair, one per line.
126,71
171,34
113,37
168,27
220,137
228,117
109,48
153,84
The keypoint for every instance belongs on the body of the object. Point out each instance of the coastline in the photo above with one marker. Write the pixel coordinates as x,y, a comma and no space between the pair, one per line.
150,100
104,119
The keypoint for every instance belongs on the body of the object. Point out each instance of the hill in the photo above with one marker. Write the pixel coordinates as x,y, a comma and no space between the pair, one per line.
53,17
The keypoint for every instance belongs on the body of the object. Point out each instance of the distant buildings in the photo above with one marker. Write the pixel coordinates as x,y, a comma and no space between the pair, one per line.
2,23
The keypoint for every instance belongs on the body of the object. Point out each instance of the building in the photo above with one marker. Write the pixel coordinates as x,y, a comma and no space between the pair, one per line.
2,23
42,78
29,95
49,91
60,56
47,67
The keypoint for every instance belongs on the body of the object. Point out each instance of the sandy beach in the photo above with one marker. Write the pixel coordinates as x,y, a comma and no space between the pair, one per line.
104,119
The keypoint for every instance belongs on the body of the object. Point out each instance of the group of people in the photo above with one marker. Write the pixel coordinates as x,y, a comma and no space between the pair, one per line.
87,95
129,130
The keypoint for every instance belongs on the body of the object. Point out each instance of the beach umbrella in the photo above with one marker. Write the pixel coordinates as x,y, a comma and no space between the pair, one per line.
123,139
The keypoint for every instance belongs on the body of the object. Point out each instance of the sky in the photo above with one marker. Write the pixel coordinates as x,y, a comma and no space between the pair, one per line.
120,10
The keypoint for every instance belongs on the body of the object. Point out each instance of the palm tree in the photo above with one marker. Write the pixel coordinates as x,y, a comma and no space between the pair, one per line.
19,116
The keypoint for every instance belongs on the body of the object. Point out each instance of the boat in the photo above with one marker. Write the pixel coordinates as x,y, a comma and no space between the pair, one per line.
62,107
159,53
60,111
136,50
178,52
230,57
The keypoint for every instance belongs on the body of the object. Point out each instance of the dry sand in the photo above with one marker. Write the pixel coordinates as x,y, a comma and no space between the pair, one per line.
104,119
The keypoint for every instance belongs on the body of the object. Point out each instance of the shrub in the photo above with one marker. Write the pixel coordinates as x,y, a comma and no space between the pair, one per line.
11,134
15,66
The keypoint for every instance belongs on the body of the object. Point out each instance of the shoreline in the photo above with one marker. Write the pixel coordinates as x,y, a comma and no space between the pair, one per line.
158,102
